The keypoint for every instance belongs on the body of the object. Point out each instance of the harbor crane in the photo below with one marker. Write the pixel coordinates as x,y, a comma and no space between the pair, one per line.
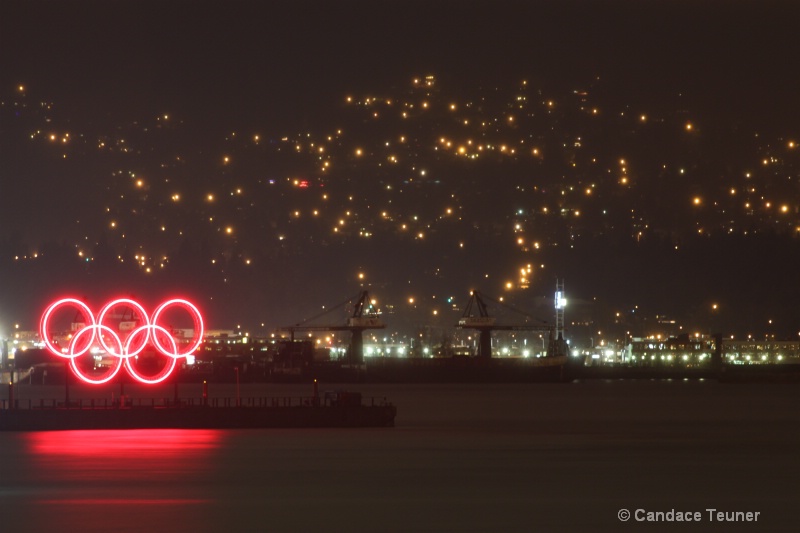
476,316
364,317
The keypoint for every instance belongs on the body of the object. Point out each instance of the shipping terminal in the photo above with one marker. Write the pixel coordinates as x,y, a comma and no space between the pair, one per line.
295,356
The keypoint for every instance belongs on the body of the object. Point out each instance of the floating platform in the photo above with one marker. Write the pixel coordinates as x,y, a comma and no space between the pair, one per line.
213,413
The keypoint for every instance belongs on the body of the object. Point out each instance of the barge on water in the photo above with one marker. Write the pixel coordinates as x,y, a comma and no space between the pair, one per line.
337,410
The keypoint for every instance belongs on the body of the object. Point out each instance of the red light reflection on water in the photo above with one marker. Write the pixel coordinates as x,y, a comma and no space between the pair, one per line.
125,455
118,480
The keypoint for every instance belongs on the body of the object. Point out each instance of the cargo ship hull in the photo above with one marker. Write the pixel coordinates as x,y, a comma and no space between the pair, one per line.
447,370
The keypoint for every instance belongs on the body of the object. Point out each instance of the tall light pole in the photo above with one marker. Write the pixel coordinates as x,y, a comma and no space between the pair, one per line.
561,303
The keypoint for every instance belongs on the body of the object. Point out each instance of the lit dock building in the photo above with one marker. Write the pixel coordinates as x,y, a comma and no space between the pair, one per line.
698,351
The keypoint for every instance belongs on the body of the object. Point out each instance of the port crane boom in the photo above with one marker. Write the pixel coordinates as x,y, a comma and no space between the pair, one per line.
364,317
476,316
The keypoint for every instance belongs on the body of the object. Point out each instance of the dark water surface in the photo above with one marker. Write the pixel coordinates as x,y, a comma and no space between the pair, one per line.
539,457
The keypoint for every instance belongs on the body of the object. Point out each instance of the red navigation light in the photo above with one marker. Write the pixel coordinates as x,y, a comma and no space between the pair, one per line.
94,336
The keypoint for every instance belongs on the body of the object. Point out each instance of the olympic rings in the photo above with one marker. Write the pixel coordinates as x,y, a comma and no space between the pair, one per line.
93,334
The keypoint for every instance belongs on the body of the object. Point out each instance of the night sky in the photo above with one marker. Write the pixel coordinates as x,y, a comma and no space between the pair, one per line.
267,159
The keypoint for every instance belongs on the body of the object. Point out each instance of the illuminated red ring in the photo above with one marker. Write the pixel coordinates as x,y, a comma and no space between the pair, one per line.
138,307
46,316
166,371
109,375
198,326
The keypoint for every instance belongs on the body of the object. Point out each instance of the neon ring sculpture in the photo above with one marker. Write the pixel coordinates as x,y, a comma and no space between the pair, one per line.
95,334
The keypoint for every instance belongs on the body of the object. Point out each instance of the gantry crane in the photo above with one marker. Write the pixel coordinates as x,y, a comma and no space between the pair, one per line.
364,317
476,316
